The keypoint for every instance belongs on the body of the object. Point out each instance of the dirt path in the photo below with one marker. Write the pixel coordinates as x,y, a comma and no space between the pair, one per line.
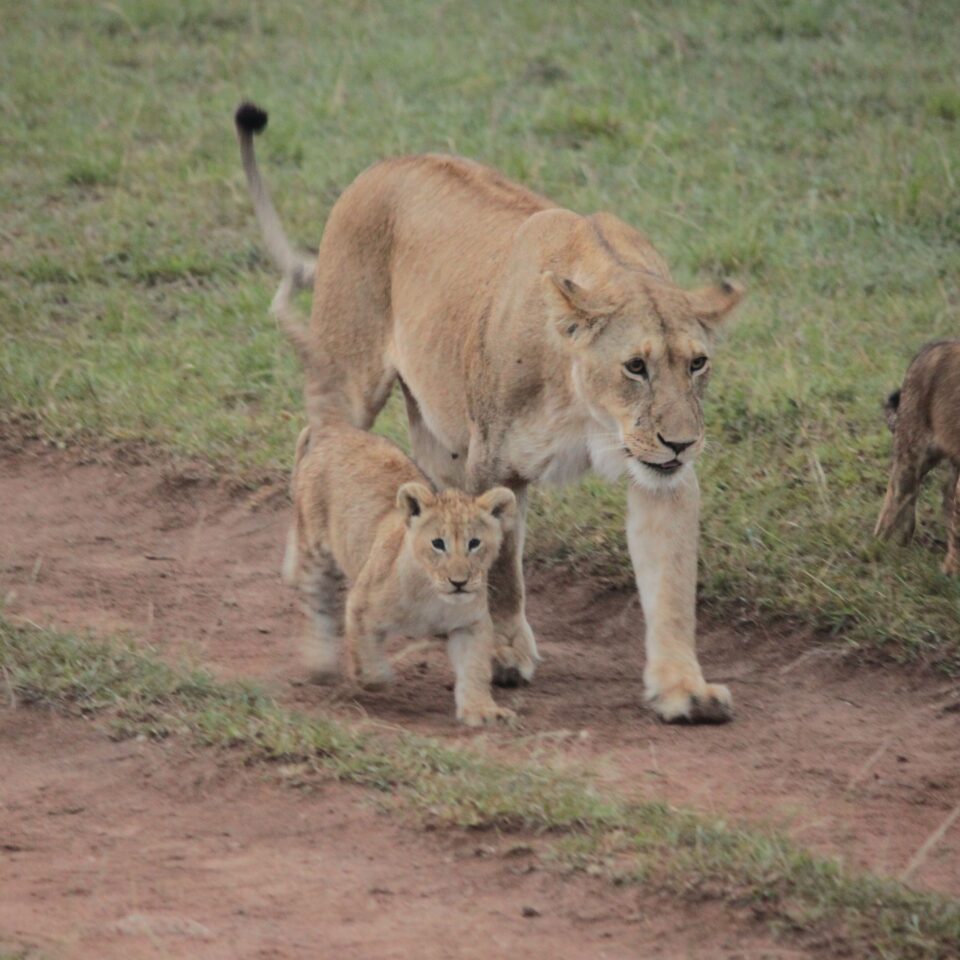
859,762
139,850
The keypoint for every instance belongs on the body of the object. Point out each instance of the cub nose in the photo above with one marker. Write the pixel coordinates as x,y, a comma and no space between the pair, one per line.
459,584
677,446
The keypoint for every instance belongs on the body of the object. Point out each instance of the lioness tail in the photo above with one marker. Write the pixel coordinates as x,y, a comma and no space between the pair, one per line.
251,120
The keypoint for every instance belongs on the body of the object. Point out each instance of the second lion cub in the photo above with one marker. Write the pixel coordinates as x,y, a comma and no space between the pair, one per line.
416,561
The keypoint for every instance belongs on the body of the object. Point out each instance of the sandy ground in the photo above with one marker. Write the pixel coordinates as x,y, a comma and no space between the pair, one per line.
173,854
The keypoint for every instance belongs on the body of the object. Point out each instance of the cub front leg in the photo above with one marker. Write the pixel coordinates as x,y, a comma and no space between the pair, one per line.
470,650
662,535
363,647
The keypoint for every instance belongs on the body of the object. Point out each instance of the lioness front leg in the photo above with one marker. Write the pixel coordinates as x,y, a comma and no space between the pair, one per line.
662,534
515,654
470,651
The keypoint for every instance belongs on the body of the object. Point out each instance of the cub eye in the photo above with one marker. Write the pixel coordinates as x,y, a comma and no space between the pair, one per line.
438,544
697,363
636,367
474,544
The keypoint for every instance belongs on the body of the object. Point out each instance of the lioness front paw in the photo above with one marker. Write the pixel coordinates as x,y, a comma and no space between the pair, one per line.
375,676
515,655
476,715
685,702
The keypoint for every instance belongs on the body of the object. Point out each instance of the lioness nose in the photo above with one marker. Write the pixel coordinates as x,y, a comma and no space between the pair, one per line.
677,446
459,584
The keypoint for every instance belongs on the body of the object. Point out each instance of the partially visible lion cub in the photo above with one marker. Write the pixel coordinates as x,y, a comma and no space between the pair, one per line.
416,560
924,415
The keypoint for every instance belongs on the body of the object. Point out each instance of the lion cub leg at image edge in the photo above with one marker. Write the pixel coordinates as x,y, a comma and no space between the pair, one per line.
924,416
416,561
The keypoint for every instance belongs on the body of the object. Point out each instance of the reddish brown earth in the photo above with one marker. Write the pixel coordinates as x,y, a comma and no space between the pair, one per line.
856,761
135,850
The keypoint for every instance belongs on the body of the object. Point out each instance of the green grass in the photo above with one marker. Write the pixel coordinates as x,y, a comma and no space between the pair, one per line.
808,147
664,849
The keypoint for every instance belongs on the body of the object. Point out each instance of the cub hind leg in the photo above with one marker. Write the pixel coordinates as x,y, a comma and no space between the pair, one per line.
912,460
316,574
951,564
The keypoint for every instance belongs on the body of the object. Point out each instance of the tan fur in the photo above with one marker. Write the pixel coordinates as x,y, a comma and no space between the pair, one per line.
363,512
925,420
509,322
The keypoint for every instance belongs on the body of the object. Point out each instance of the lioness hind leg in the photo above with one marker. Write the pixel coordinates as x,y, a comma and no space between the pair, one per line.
320,583
470,651
951,564
444,467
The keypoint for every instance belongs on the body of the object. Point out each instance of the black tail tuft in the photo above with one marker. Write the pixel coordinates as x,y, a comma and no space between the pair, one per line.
250,118
893,401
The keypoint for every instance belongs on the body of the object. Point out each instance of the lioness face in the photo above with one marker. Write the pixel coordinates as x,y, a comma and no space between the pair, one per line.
454,537
641,363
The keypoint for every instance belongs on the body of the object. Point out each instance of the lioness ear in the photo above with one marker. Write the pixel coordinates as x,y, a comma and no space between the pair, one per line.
413,498
576,313
712,305
501,504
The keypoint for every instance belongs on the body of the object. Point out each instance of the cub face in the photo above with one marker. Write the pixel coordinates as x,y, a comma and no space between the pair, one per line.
455,537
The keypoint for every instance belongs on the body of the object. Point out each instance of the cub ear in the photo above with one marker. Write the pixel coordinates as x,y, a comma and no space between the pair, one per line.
712,305
501,504
413,498
576,313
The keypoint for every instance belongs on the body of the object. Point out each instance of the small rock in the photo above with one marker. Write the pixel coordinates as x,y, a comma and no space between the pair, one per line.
529,911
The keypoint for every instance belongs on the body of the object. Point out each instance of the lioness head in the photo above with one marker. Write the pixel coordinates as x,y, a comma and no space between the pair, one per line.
641,351
454,537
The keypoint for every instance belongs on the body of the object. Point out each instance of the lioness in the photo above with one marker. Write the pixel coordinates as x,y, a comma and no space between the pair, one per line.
416,561
531,344
924,416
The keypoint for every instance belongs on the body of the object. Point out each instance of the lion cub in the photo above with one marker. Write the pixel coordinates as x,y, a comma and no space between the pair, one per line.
924,415
416,561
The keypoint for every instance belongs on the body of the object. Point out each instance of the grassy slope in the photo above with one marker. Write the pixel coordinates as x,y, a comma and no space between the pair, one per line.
809,148
842,913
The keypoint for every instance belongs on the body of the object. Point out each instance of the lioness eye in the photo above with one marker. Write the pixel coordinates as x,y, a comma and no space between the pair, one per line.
697,363
474,544
636,367
438,544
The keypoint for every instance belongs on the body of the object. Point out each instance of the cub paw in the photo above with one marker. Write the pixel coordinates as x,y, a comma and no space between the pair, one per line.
477,716
683,703
951,566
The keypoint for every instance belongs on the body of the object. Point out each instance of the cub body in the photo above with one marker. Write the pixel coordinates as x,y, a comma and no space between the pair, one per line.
924,415
416,561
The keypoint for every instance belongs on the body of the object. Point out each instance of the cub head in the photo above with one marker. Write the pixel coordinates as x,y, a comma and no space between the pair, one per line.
640,349
455,537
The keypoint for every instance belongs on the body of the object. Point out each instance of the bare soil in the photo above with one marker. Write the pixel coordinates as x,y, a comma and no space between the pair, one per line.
858,761
137,850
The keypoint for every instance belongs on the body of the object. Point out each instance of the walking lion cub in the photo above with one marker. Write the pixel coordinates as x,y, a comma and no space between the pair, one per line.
924,415
416,561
